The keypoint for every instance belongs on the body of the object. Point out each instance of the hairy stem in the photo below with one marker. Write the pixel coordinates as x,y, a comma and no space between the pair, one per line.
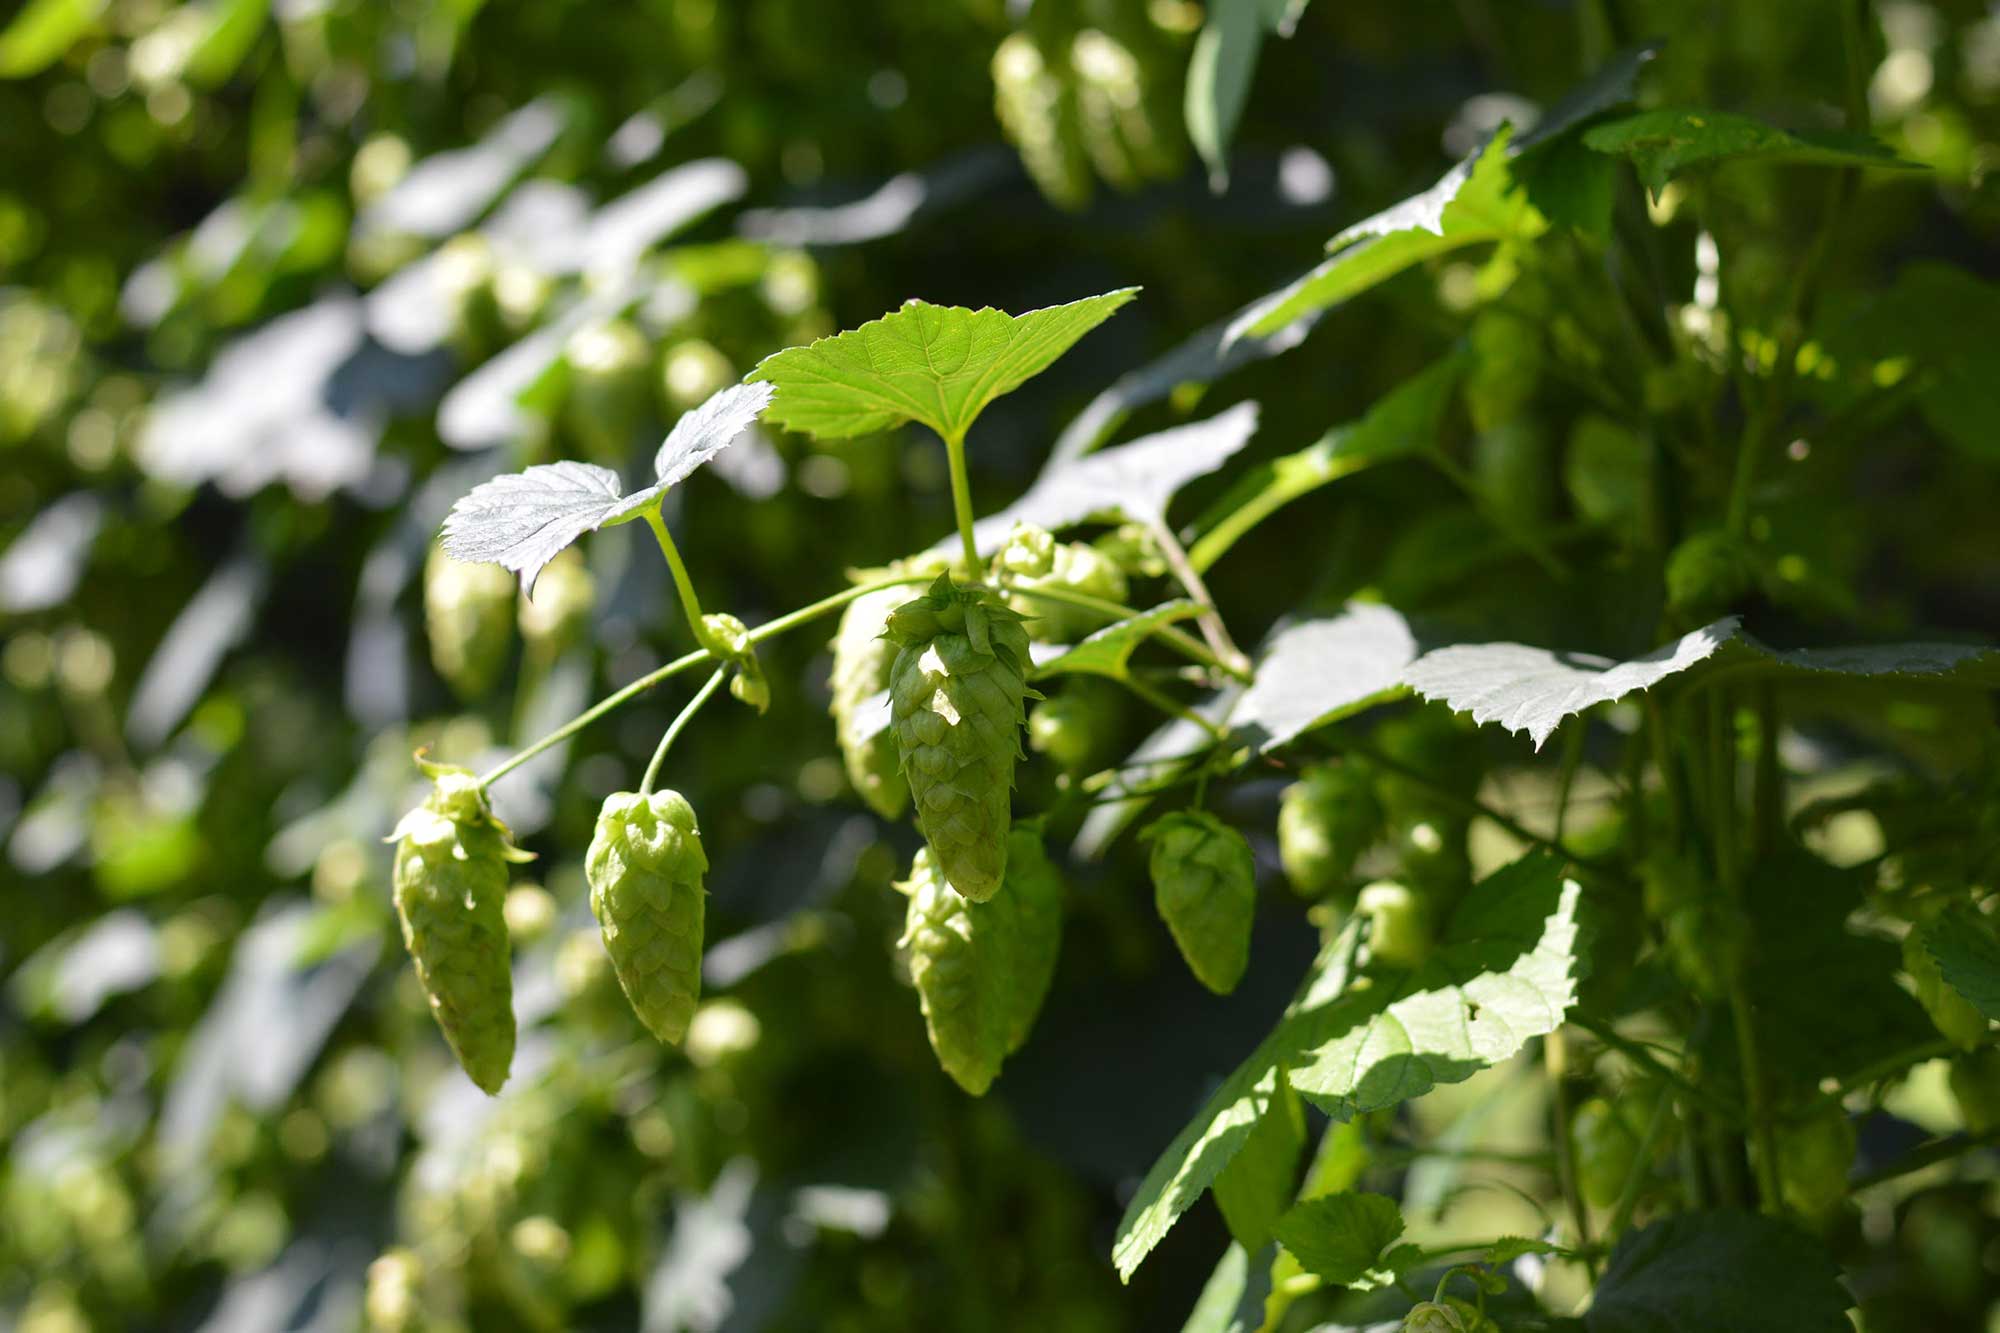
675,727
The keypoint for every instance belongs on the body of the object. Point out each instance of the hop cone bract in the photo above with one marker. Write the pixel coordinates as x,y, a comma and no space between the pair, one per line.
862,659
450,889
1205,887
645,868
957,694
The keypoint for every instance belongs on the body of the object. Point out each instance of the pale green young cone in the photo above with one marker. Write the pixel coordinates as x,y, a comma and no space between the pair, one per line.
862,660
1325,820
1205,887
450,888
957,700
982,969
645,866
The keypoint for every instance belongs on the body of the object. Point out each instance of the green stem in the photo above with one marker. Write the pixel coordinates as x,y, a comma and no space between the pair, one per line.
1642,1163
675,727
1891,1065
1555,1059
690,604
768,629
961,498
1172,707
1210,619
1637,1052
1188,645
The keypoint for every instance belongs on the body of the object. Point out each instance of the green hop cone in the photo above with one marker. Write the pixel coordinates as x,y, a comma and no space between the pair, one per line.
1037,106
1975,1086
645,866
469,618
1814,1155
957,694
1072,726
982,969
728,637
451,892
1708,573
554,619
1399,923
610,387
862,659
1431,1317
1205,887
1325,821
1953,1014
1032,560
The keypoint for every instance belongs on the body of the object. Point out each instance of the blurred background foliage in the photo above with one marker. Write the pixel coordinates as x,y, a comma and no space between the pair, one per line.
280,279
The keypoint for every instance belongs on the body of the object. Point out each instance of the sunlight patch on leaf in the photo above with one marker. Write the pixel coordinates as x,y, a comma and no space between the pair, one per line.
1313,672
940,365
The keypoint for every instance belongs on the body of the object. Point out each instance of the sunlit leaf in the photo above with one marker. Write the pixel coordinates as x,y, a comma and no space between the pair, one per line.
1476,201
520,521
940,365
1312,672
1260,1182
1106,652
41,32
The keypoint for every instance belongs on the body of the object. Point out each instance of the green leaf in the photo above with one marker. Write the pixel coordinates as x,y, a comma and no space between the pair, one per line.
940,365
522,520
1533,689
1312,672
1259,1184
1665,142
42,32
1340,1236
1402,422
1109,650
231,28
1945,324
1220,1128
1136,480
1220,72
1969,957
1476,201
1504,976
1509,1248
1715,1271
1232,1300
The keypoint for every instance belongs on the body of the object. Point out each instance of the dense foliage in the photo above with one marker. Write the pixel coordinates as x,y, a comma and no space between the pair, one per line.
1383,613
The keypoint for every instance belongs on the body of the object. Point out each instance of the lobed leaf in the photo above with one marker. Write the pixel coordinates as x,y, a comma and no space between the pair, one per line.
1969,957
940,365
1340,1237
522,520
1108,651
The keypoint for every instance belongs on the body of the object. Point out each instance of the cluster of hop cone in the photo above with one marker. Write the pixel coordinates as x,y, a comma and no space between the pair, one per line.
984,913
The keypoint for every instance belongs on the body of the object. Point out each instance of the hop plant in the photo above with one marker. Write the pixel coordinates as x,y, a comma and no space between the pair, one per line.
1325,821
1072,726
1037,106
982,969
645,866
957,694
451,892
1033,560
1205,887
1954,1016
1814,1155
862,659
469,618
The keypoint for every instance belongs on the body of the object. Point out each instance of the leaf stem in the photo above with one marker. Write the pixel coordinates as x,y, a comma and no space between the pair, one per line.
675,727
961,497
1210,619
1642,1162
690,604
769,629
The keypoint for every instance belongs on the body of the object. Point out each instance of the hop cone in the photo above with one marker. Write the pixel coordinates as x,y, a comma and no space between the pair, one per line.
862,659
957,692
1205,887
645,868
450,888
469,619
1325,820
1037,106
982,969
1033,560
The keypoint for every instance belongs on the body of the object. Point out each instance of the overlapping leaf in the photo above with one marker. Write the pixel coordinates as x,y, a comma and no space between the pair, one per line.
940,365
1703,1272
1340,1237
520,521
1968,956
1505,975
